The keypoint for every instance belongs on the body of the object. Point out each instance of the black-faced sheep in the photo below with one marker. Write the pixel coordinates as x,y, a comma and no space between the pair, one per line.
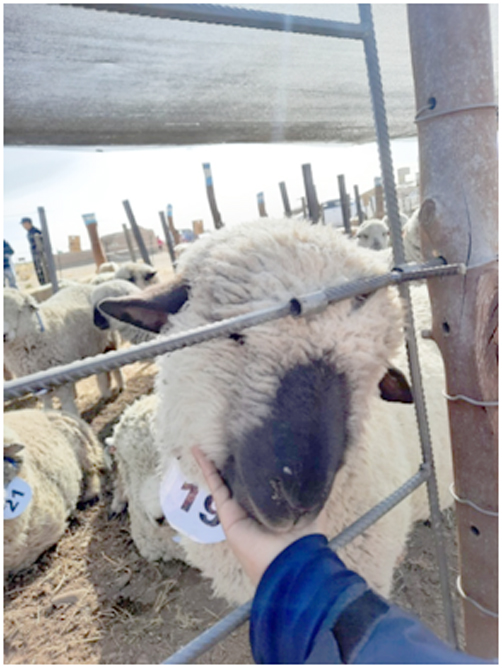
58,331
58,457
292,412
374,234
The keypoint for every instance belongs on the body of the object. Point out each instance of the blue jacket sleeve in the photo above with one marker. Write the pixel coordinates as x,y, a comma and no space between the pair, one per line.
309,608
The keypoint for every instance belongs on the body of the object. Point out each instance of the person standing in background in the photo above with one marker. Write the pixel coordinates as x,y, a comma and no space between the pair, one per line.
9,274
37,249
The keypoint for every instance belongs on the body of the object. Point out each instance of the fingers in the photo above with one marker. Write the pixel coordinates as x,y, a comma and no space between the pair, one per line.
216,485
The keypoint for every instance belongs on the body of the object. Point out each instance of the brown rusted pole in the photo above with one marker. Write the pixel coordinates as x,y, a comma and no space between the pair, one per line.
98,252
129,242
457,133
285,199
379,207
261,205
174,231
343,204
314,211
137,232
211,197
168,238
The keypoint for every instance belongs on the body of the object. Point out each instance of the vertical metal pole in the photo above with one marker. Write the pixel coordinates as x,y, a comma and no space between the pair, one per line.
218,223
169,241
174,232
91,225
51,267
261,205
343,204
129,242
285,199
312,203
137,232
360,214
377,99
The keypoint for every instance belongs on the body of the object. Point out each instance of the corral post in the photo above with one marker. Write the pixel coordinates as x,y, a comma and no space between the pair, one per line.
285,199
343,204
312,203
379,207
49,258
129,242
360,214
211,197
168,238
170,222
137,233
91,225
457,132
261,205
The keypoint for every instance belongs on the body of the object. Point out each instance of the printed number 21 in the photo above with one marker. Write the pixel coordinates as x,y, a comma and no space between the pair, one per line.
13,505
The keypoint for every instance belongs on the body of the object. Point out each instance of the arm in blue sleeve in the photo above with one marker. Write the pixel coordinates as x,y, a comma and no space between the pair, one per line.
309,608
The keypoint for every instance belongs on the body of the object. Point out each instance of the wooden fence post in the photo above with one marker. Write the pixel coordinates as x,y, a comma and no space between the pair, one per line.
211,197
129,242
457,133
168,238
379,206
137,232
49,257
91,225
360,214
170,222
344,204
314,211
261,205
285,199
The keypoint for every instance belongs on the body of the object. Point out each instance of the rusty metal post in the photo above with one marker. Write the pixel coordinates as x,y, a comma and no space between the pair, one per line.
174,231
91,225
314,211
344,204
168,238
49,264
457,133
137,232
285,200
129,242
360,214
218,223
261,205
379,206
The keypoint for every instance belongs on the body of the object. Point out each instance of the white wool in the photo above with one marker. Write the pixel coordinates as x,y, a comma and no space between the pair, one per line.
213,393
60,459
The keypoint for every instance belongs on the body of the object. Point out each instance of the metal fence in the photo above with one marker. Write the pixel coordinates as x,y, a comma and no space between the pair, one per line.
364,31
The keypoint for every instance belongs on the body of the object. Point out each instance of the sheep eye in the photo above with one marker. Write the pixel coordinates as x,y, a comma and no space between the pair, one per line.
238,338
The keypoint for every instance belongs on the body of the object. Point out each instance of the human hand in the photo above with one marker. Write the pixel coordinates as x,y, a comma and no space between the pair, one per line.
254,545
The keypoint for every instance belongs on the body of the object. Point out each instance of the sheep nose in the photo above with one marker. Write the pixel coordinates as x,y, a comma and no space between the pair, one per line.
376,245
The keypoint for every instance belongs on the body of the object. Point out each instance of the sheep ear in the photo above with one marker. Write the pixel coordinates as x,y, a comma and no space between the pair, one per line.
150,309
394,387
12,451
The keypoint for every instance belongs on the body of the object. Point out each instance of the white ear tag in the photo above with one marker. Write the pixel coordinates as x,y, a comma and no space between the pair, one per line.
17,496
189,508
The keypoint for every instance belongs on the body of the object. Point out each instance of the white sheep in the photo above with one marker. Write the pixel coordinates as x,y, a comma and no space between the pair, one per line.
291,411
57,331
107,267
117,287
137,481
139,273
373,233
60,459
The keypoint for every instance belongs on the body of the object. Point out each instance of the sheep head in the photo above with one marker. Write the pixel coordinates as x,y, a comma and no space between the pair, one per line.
277,405
373,234
19,311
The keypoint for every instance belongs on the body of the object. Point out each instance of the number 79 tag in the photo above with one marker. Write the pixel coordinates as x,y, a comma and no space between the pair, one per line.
189,508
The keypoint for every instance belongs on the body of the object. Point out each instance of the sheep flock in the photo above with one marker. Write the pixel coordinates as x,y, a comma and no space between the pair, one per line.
297,413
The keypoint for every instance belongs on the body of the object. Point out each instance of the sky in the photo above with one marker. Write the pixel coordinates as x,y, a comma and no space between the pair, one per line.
68,183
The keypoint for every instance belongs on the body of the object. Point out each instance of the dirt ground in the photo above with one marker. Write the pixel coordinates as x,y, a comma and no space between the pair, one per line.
92,599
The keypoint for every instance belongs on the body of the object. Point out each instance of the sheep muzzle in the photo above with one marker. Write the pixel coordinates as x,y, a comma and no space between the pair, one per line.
283,471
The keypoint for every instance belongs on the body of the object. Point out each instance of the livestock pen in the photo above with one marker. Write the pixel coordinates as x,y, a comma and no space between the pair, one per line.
302,303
